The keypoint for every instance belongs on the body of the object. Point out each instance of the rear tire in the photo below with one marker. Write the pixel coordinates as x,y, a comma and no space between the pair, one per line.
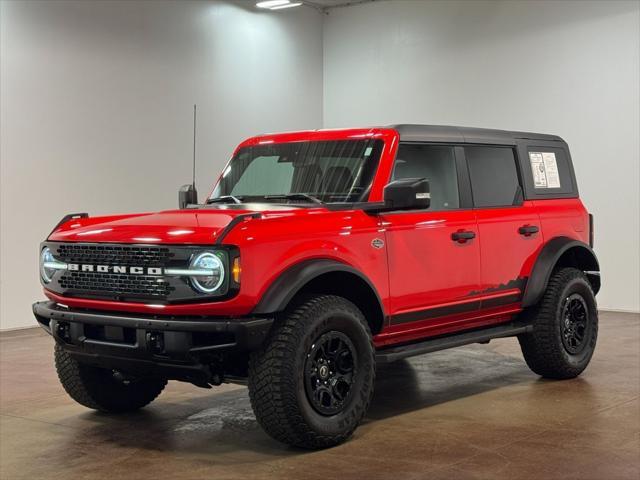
99,389
565,327
312,381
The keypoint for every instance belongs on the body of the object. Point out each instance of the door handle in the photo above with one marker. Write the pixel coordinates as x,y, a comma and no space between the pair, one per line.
528,230
462,236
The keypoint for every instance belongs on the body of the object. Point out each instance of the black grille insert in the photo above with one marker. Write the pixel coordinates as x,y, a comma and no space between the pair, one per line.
114,254
113,284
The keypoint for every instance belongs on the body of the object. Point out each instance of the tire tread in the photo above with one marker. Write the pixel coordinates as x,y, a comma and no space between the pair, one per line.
272,388
542,349
80,382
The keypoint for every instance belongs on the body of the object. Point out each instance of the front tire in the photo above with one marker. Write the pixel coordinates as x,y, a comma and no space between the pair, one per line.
311,383
99,389
565,326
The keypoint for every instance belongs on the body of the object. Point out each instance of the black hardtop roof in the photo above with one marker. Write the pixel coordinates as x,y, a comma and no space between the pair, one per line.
443,133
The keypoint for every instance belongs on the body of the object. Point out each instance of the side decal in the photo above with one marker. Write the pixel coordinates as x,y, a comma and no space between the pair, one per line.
435,312
470,305
520,283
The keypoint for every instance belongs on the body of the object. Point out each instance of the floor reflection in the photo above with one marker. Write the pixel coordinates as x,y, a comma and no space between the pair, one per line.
224,422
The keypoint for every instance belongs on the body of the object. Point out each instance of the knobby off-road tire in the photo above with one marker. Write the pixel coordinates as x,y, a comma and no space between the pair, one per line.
298,380
565,327
97,388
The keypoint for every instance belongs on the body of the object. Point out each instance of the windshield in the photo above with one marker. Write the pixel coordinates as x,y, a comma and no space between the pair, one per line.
307,172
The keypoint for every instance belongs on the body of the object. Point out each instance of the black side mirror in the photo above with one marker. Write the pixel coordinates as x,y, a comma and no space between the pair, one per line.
187,195
407,193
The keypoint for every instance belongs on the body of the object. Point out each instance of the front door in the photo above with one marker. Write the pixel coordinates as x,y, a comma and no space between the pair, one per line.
433,254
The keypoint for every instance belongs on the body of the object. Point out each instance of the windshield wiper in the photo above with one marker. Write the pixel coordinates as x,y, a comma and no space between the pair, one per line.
225,199
294,196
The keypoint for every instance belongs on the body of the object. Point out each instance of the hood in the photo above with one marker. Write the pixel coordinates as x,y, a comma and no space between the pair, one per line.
197,227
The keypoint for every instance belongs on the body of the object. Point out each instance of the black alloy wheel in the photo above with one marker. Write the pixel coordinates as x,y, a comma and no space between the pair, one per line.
575,323
330,371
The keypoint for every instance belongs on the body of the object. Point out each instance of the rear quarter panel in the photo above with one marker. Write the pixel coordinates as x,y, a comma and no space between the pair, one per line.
563,217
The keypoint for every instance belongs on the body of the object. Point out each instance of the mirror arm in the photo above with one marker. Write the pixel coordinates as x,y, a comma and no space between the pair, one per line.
374,208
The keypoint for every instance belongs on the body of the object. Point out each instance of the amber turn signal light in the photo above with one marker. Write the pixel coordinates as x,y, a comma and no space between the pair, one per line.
235,270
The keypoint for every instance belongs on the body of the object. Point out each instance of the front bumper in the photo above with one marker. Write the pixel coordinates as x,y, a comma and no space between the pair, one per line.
184,348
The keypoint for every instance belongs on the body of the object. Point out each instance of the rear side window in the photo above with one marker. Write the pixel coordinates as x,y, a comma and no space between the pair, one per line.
437,164
494,176
549,172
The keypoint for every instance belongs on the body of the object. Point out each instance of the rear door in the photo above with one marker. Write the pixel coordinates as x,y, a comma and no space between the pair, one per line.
433,270
509,227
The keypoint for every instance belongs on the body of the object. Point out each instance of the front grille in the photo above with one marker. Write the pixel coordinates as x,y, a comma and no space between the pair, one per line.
114,254
114,284
94,273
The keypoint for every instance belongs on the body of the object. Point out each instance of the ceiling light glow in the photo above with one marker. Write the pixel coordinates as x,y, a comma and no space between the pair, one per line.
287,5
271,3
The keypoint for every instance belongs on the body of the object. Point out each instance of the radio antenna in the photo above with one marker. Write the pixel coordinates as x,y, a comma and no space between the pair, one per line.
194,147
188,195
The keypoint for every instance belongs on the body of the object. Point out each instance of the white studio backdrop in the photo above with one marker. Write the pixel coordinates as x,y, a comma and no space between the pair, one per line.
97,104
569,68
96,101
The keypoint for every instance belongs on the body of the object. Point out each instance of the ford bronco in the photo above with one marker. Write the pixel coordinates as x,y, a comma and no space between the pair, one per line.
319,254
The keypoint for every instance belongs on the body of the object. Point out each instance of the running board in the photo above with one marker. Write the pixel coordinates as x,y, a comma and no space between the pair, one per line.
391,354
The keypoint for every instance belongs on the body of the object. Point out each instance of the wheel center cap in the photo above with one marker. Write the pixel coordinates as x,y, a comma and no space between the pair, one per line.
323,372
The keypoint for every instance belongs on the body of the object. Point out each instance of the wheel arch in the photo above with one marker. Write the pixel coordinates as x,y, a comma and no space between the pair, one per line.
324,276
560,252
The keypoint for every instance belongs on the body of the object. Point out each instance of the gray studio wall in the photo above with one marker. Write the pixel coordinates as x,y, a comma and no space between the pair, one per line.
96,109
568,68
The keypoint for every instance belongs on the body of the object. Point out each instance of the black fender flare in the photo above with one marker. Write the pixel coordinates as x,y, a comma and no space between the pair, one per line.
547,260
293,279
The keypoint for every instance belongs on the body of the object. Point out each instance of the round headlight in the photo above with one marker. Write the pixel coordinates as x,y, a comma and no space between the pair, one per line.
46,273
207,283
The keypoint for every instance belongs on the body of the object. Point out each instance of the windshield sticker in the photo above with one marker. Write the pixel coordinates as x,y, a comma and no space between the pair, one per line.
368,151
545,169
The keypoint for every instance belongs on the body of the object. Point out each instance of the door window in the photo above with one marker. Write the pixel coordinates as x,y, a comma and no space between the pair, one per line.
437,164
494,177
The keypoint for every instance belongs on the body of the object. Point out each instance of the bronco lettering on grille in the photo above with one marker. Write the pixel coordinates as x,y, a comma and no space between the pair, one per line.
82,267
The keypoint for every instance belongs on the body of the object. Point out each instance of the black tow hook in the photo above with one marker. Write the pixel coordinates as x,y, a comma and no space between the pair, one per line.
155,341
63,331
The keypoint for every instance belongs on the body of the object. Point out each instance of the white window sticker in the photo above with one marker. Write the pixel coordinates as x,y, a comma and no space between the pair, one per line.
537,168
545,169
551,167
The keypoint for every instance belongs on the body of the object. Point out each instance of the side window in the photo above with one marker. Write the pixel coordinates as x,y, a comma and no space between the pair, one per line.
494,177
437,164
548,171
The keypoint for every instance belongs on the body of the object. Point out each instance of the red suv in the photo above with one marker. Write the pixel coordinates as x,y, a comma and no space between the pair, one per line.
319,254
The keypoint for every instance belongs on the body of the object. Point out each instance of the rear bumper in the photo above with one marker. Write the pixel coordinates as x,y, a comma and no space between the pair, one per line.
176,347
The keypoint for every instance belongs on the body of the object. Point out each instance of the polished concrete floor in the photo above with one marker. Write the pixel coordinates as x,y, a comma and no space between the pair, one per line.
471,413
